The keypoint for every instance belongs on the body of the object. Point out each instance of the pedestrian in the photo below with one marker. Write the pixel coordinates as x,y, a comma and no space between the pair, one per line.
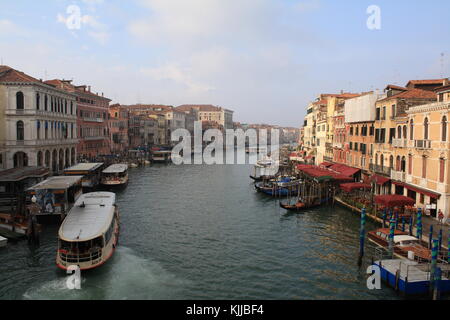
440,217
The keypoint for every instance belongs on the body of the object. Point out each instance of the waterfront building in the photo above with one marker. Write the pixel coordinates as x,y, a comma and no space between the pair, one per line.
321,130
37,123
118,129
390,126
309,133
92,119
359,121
210,113
428,152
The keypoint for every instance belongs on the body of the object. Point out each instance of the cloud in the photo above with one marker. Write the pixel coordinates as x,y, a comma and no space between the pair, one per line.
176,74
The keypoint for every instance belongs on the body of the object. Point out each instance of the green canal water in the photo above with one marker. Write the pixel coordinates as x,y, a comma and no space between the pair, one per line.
202,232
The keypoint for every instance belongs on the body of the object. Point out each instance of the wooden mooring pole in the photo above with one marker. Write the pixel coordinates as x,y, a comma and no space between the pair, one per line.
362,237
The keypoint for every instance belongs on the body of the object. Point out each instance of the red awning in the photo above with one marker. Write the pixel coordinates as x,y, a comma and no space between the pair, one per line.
349,187
380,180
431,194
327,164
345,170
318,172
394,200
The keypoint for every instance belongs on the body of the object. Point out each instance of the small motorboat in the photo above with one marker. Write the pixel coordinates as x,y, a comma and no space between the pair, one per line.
133,165
300,206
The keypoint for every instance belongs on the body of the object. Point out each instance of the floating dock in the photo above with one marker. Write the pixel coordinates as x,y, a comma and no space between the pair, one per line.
411,278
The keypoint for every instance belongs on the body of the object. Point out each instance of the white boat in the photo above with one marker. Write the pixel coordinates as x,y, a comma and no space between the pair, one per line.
91,173
89,235
115,175
3,242
133,165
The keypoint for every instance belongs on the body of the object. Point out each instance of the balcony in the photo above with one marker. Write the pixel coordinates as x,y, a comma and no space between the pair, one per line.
41,142
398,176
338,145
380,169
98,120
400,143
39,113
422,144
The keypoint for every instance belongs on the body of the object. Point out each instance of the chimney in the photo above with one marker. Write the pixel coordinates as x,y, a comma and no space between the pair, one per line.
446,82
89,88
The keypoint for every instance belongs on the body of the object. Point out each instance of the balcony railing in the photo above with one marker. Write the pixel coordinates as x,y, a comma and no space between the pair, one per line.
380,169
88,119
400,143
41,142
398,176
422,144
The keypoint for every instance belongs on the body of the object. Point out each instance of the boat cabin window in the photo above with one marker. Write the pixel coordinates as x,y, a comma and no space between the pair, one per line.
408,243
82,247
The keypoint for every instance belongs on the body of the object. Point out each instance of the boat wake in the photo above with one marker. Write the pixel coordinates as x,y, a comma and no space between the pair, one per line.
126,276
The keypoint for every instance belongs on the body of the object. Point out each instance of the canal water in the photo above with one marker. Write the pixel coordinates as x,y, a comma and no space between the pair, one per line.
202,232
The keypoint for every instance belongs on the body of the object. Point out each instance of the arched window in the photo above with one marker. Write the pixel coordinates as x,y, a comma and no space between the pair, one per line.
38,101
410,164
444,128
391,162
38,129
39,159
405,132
382,161
403,165
411,130
20,130
425,129
19,101
46,103
398,164
441,170
424,167
399,132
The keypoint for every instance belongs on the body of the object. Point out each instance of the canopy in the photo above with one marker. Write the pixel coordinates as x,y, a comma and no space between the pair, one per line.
431,194
345,170
326,164
325,174
349,187
394,200
380,180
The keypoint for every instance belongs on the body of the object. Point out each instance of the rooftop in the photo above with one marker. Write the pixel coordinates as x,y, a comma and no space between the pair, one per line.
19,174
84,167
62,182
91,220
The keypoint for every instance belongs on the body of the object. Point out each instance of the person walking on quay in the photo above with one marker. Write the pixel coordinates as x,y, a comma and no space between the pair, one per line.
440,216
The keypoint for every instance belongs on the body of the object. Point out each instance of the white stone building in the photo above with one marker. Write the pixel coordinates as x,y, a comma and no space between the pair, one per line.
37,123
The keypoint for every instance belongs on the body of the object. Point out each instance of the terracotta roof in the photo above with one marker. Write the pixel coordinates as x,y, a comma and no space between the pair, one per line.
8,74
413,94
67,85
395,87
443,88
428,81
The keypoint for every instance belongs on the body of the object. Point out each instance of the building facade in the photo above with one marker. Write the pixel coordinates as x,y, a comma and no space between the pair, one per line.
92,119
37,123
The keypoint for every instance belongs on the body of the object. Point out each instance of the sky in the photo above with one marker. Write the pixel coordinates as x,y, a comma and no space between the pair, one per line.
264,59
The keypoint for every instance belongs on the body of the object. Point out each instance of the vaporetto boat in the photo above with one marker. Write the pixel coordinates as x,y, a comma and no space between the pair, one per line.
115,175
89,235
